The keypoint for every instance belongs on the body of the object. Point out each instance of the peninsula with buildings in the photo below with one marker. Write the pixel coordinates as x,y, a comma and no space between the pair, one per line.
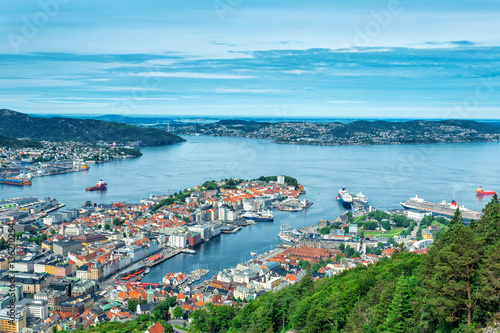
52,158
37,146
77,268
355,133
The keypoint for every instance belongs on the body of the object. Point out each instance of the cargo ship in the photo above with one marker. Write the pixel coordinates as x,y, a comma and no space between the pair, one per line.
345,198
440,209
100,186
15,181
480,191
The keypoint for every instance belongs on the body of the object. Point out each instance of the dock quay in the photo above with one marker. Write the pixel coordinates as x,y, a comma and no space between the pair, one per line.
268,255
293,205
197,275
308,229
244,223
227,229
60,205
165,256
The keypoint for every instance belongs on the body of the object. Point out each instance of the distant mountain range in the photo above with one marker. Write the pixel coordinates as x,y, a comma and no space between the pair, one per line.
360,132
19,125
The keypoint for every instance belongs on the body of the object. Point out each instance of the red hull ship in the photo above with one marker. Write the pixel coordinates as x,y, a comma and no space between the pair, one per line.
19,182
100,186
480,191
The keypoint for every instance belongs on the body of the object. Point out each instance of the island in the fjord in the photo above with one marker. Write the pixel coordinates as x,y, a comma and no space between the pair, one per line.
58,129
355,133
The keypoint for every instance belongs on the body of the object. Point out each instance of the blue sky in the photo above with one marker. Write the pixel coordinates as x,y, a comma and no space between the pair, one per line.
396,58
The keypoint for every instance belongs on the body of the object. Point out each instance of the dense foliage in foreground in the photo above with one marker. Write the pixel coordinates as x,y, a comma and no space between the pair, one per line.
453,288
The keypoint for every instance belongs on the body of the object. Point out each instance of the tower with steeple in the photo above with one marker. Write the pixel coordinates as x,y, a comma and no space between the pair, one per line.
151,295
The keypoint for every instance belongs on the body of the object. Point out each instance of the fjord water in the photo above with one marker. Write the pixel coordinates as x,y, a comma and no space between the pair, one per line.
387,174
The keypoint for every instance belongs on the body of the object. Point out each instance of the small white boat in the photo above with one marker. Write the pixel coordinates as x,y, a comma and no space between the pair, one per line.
253,253
189,251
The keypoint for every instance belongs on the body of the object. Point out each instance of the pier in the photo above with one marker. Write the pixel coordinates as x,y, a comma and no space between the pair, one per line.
230,229
165,256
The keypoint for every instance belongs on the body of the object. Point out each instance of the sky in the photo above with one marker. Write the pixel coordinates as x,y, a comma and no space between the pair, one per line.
244,58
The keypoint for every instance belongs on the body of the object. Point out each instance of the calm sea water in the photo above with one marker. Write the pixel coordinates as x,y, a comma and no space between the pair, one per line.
387,174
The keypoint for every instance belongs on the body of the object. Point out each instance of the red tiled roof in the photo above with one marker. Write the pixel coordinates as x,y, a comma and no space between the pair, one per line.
156,328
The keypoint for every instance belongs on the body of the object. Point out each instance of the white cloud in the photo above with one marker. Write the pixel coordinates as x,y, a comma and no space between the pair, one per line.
346,102
192,75
253,91
23,83
296,71
124,88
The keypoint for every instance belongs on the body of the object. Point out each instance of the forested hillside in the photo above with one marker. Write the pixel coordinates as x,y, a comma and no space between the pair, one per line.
453,288
19,125
7,142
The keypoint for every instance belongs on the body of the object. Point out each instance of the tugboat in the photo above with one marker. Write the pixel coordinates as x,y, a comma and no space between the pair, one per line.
100,186
480,191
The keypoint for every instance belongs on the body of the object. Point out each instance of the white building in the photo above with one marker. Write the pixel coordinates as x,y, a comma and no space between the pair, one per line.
35,308
72,230
178,240
249,205
281,180
22,266
216,229
232,215
81,274
204,230
353,229
223,213
135,253
416,215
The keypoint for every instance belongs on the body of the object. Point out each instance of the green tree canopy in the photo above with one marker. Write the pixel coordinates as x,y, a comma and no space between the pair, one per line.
178,312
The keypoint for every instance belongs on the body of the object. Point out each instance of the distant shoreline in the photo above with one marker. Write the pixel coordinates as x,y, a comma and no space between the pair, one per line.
355,133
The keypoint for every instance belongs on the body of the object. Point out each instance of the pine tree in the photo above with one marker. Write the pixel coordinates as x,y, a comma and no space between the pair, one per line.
449,272
488,227
489,224
445,237
490,278
401,309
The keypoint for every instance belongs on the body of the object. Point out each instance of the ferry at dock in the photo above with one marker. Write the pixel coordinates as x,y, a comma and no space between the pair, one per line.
259,216
345,198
